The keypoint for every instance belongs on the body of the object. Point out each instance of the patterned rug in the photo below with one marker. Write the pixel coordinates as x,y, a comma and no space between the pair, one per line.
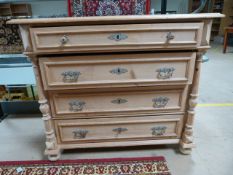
115,166
10,41
108,7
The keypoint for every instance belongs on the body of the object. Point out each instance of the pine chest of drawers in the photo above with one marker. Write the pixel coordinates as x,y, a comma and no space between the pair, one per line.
117,81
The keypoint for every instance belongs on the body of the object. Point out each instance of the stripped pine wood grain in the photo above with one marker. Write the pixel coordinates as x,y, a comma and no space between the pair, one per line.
131,80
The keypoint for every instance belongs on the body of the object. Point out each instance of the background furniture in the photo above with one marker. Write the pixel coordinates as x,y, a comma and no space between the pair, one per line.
217,8
227,31
201,6
228,20
15,70
19,96
8,9
111,95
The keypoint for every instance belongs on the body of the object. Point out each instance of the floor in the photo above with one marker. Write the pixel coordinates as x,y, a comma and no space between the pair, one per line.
21,137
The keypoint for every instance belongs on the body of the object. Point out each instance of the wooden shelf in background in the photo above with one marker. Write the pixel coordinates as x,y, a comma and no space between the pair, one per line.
15,10
21,9
5,6
5,10
218,6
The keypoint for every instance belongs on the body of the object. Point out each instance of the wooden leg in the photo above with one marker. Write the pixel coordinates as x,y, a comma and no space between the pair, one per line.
52,149
186,143
185,151
54,157
225,41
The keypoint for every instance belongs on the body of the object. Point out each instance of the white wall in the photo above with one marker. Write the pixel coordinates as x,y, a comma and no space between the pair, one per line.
46,8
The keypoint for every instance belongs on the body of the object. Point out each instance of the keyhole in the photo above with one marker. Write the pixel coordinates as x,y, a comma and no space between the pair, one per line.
118,70
118,37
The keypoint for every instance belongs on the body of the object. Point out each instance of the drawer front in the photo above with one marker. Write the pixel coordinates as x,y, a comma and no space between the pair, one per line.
119,129
116,37
117,70
96,104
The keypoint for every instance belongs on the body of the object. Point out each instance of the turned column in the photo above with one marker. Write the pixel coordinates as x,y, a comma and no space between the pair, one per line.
52,149
186,143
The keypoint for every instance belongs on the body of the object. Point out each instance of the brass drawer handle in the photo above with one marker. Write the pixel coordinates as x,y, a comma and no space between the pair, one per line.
118,71
160,102
118,36
159,130
80,133
165,73
170,36
119,130
76,105
70,76
119,101
64,40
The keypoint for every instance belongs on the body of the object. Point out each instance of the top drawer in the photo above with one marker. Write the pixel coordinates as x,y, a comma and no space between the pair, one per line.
99,38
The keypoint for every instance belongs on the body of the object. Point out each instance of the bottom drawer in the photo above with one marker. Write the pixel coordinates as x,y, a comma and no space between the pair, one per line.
118,129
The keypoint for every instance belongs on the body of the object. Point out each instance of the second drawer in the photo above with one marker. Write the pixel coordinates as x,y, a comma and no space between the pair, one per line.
117,70
96,104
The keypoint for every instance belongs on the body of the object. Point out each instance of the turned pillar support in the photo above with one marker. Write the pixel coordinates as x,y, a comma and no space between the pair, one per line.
186,143
52,149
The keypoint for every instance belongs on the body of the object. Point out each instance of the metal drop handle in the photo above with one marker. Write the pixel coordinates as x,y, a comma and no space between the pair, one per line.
170,36
80,133
70,76
160,102
119,130
158,130
64,39
76,105
165,73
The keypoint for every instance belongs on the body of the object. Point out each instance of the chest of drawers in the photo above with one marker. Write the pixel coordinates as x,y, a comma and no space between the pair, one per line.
117,81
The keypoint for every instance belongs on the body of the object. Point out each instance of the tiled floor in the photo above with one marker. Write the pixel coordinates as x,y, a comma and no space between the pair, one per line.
22,138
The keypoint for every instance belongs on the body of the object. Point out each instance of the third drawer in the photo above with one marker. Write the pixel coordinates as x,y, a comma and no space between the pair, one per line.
131,101
78,131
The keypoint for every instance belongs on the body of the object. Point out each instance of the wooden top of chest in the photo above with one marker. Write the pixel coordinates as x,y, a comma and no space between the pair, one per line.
115,19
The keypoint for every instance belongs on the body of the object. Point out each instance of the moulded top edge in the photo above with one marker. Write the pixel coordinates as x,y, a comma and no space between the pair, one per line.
114,19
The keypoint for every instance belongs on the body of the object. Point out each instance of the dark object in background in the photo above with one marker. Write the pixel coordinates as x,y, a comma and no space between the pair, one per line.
18,99
163,6
18,107
227,35
230,39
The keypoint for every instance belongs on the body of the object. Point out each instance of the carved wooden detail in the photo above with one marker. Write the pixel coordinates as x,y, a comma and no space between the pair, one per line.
187,137
51,141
